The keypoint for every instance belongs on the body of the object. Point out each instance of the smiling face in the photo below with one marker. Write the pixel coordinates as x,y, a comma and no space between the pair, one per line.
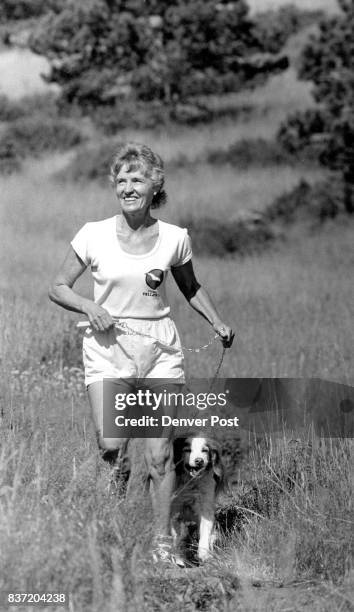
134,189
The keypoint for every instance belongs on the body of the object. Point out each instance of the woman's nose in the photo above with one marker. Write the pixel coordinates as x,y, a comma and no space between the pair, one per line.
129,187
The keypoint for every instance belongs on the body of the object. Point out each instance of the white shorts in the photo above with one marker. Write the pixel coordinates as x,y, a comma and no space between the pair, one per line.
122,354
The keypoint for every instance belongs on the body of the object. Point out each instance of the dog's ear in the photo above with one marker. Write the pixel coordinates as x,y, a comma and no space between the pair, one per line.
218,468
178,445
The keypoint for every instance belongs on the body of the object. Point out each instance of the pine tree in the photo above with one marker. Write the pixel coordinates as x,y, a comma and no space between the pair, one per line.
104,50
328,61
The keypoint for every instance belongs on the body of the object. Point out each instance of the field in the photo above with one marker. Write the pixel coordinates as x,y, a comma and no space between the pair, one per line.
291,547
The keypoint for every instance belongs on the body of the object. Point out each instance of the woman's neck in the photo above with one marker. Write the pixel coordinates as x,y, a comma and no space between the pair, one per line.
135,221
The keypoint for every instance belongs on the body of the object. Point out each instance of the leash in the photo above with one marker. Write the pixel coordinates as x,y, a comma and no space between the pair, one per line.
121,325
129,330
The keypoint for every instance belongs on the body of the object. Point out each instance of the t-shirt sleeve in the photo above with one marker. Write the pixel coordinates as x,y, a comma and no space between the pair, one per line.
80,244
184,249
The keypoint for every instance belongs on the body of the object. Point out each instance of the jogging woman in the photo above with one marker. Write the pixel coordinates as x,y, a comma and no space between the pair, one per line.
130,255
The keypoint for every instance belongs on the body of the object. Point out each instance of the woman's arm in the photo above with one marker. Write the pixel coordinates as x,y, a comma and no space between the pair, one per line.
62,293
199,299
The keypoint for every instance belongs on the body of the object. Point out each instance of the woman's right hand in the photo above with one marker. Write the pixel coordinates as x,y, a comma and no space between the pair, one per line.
100,319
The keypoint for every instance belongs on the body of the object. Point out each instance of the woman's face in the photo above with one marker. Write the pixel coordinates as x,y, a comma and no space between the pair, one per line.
134,189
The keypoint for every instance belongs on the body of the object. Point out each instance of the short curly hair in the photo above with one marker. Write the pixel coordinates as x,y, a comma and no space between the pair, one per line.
136,155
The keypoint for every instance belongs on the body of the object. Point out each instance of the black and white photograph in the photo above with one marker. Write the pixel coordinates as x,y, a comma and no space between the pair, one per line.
177,305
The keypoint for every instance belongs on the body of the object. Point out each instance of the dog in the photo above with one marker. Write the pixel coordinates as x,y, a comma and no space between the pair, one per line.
200,476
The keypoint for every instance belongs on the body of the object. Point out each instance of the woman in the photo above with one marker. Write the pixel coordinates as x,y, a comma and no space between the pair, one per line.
130,255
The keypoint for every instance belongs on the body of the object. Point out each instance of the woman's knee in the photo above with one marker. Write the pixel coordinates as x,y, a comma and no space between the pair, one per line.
159,456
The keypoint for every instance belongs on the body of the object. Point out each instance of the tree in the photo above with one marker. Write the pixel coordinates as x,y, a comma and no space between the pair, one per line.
328,61
103,50
24,9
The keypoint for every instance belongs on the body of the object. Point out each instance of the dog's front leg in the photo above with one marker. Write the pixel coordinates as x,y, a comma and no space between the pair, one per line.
207,516
205,535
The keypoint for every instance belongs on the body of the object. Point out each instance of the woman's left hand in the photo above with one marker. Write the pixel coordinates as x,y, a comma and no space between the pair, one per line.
225,332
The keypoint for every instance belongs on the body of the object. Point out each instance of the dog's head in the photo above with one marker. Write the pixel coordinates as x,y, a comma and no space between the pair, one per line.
195,454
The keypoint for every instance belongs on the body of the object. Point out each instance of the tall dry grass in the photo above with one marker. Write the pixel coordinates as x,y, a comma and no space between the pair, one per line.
62,528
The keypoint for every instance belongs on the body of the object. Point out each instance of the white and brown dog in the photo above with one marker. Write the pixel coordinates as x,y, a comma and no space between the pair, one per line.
199,478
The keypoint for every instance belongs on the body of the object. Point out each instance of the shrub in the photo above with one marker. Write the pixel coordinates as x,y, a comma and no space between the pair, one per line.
23,9
152,115
35,135
10,110
126,113
9,159
215,237
274,28
295,134
245,153
318,202
90,163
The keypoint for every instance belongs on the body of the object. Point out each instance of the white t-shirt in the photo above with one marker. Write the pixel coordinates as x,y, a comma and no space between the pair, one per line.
129,285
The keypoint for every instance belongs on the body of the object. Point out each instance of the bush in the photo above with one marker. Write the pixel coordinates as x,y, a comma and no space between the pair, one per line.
23,9
273,28
128,113
35,135
9,159
324,200
151,115
241,237
296,134
10,110
91,163
253,152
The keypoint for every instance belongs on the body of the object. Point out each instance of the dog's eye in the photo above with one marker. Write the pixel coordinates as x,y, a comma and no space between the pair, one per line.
205,449
186,449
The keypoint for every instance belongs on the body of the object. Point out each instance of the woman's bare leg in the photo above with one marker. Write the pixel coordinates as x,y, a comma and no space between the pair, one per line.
113,450
161,469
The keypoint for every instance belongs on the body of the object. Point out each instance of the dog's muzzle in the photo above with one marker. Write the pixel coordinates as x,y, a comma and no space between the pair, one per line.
198,467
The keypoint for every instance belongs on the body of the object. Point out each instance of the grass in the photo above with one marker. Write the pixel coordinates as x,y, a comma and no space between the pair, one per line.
53,486
289,320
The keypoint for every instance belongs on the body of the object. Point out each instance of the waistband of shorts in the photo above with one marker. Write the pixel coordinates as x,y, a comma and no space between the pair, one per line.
144,323
164,317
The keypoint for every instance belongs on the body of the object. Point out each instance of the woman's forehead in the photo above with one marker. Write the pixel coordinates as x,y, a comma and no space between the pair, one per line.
135,167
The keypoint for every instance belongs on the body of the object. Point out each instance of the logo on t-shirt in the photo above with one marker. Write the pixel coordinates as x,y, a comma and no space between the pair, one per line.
154,278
